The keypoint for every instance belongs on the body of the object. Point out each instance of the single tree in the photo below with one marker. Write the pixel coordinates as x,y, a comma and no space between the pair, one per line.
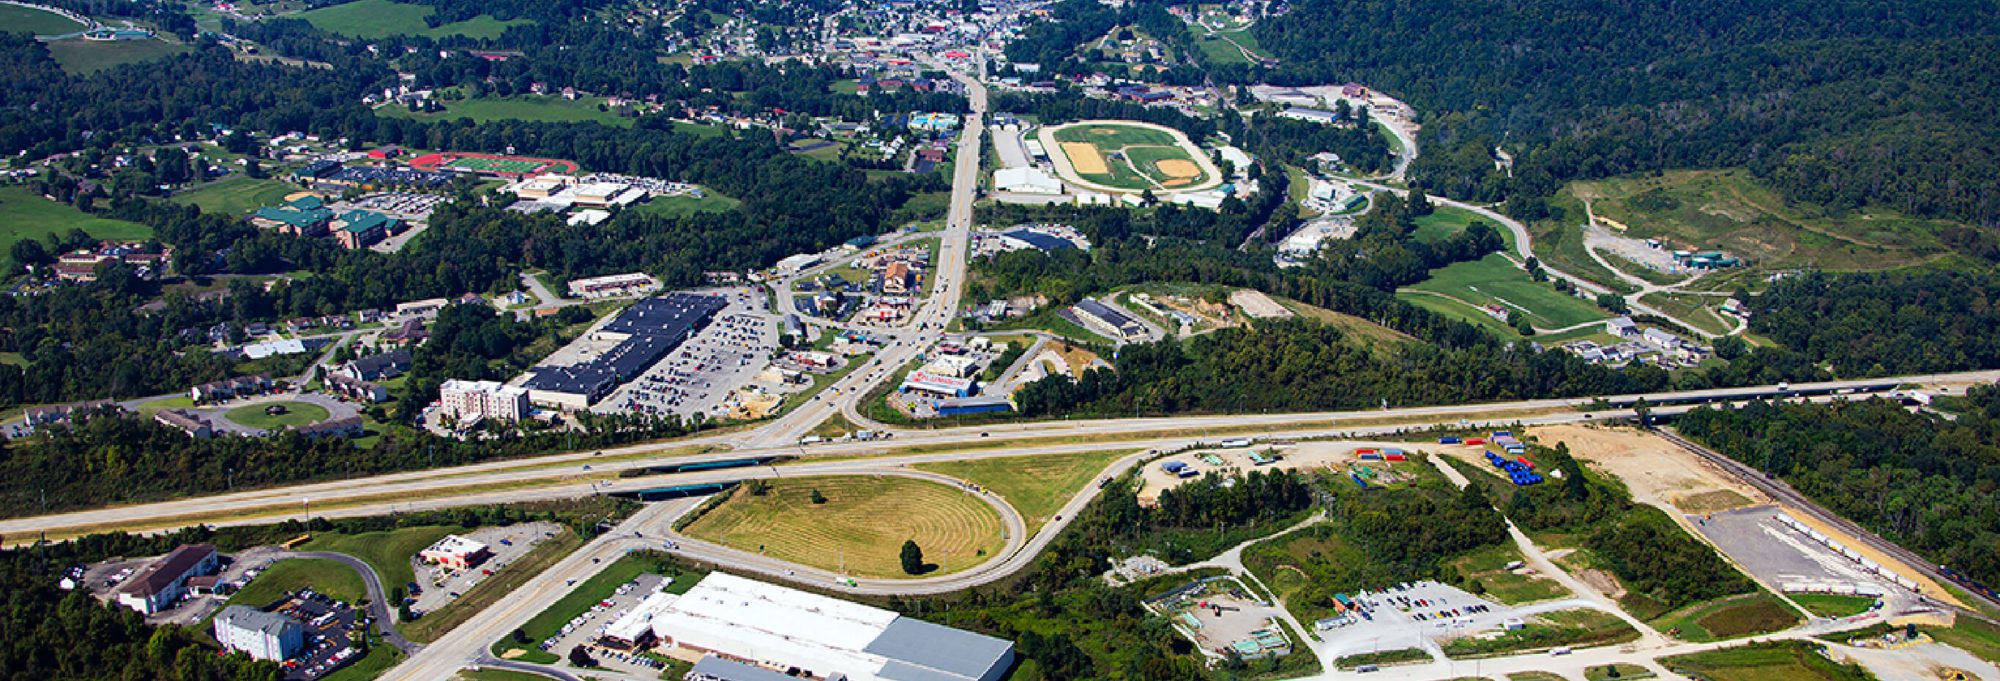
913,557
818,498
580,657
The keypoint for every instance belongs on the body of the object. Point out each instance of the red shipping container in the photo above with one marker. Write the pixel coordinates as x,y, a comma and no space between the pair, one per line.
1397,457
1475,440
1524,461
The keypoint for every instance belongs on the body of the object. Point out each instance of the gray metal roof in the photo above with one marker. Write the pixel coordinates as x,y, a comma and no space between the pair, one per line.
921,651
252,619
729,670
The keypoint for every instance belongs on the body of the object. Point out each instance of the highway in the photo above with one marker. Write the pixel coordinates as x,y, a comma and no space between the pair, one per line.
565,474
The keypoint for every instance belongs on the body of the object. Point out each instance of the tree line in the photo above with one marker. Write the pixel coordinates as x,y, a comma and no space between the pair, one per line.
1793,90
1916,478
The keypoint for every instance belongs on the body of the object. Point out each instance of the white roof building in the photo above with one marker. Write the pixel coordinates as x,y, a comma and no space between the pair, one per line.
589,216
637,624
782,627
1026,180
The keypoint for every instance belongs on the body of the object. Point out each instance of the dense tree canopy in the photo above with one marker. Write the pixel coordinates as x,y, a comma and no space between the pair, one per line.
1922,481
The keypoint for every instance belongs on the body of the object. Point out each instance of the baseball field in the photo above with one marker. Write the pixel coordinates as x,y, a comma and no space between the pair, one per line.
1129,156
861,527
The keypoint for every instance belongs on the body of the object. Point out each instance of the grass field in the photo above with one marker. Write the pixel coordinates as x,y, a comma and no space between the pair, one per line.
1701,312
1617,671
1560,628
1219,51
1731,210
18,19
688,205
288,576
1488,567
1037,486
26,215
236,196
1145,147
1786,661
540,108
382,18
1830,605
1727,618
296,414
77,55
1495,280
1382,658
861,528
1447,221
389,551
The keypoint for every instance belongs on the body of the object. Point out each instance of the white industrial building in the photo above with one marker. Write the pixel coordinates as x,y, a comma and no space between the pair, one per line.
261,635
1026,181
764,624
634,630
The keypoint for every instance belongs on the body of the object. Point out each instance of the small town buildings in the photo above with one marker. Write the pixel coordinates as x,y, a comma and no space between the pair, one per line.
355,389
629,284
1026,180
379,366
346,427
1622,327
231,388
261,635
162,583
188,422
1109,321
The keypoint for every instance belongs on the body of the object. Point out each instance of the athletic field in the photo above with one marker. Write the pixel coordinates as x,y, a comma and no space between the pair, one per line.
1129,156
490,164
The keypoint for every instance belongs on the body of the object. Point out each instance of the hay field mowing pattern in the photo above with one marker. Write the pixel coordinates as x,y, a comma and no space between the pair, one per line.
865,520
1036,486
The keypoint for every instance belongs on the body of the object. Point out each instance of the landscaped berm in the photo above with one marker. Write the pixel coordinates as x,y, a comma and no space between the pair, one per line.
861,527
1128,156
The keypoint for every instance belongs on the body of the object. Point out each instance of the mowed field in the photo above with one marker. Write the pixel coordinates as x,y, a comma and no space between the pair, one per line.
537,108
1494,280
383,18
1036,486
26,215
861,527
1731,211
77,55
387,551
1781,661
236,196
18,19
288,576
1128,157
296,414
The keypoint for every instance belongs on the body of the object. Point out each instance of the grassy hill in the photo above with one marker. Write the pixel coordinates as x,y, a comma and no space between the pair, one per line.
383,18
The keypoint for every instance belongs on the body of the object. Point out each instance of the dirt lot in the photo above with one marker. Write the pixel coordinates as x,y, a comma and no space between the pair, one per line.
1666,476
1334,455
1657,472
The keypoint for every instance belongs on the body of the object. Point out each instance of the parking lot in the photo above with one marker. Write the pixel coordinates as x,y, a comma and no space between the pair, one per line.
440,586
699,376
1415,614
1779,556
587,627
328,634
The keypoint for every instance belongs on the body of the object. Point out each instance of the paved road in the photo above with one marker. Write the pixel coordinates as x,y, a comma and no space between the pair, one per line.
468,643
562,474
936,311
378,601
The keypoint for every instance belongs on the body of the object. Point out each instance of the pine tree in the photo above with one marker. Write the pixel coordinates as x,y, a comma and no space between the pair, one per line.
913,557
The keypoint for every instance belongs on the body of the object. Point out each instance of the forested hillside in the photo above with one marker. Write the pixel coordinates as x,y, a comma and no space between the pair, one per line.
1840,102
1919,480
1886,324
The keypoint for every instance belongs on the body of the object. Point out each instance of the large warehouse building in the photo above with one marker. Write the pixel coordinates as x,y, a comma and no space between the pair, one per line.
780,628
643,333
